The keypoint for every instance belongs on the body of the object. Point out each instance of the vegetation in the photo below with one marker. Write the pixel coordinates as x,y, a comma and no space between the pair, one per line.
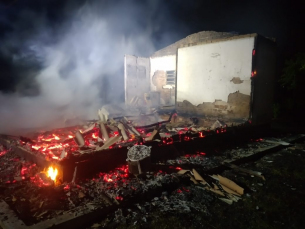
292,96
292,70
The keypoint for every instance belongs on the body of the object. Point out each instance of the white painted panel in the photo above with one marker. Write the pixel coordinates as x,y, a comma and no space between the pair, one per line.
205,71
136,77
164,63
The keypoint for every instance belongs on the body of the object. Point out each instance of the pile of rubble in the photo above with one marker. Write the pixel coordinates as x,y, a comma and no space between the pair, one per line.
58,144
176,185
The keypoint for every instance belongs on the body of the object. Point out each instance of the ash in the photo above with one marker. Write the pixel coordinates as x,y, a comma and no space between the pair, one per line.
182,201
196,159
138,197
138,152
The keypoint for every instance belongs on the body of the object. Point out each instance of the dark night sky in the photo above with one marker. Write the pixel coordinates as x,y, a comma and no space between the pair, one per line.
42,38
170,20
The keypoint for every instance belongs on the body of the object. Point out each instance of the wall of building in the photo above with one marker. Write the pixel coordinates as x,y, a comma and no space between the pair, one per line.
216,76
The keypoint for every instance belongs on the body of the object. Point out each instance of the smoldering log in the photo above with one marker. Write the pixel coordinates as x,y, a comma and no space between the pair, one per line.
123,132
154,135
134,130
127,127
104,131
110,142
79,139
63,154
74,175
89,129
46,180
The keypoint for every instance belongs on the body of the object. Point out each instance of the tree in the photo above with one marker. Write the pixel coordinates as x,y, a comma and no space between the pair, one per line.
293,82
293,69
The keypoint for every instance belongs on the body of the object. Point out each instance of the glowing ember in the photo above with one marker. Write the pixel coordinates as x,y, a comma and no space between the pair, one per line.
201,135
202,153
94,135
2,153
36,147
52,173
67,187
56,137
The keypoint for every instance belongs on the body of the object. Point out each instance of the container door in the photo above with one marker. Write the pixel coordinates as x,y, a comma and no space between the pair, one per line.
136,78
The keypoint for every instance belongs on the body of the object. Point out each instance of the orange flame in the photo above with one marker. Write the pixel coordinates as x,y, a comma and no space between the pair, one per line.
52,173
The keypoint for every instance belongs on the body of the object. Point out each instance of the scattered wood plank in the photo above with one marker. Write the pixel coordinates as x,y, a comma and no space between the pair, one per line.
251,172
229,184
110,142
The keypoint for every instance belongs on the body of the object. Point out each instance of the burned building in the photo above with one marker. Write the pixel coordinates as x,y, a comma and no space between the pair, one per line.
180,103
212,74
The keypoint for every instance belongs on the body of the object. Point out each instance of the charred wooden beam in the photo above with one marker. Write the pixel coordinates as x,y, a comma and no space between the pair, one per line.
123,132
79,139
130,127
105,159
104,131
110,142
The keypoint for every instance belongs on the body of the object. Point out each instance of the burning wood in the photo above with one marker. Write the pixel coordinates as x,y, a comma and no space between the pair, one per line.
112,187
44,180
79,139
154,135
52,173
58,144
74,175
104,131
110,142
123,132
134,130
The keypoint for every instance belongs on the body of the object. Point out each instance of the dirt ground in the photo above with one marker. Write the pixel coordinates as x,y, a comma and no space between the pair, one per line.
277,202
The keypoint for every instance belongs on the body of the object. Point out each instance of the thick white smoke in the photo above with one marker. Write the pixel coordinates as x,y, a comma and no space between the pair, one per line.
89,49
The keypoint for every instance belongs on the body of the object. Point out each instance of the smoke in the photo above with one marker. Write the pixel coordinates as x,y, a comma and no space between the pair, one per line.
71,67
